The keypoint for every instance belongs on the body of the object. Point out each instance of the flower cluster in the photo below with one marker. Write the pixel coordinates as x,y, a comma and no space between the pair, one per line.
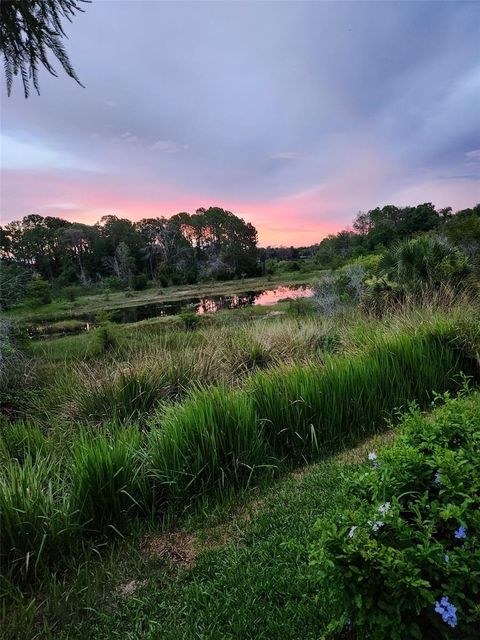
384,508
376,524
461,533
447,610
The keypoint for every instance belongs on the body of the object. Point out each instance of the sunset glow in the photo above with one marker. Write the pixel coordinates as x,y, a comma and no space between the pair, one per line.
294,138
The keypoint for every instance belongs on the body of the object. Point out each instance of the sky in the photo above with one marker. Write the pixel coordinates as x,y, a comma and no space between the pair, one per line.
293,115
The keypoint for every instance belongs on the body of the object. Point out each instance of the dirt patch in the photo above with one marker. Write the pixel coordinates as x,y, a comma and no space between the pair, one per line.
177,546
299,474
129,588
183,548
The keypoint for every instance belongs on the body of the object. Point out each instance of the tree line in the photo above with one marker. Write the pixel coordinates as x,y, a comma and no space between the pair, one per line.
211,243
379,229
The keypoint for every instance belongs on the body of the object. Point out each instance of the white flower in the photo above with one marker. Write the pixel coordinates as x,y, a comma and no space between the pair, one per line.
376,524
384,508
372,456
351,533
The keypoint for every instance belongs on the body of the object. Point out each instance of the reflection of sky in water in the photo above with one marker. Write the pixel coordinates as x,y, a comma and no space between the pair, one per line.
274,295
212,304
208,304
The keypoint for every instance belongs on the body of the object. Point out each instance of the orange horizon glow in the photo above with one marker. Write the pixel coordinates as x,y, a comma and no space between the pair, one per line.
300,219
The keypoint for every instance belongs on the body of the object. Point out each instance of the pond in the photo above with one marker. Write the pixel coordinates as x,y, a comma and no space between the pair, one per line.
199,305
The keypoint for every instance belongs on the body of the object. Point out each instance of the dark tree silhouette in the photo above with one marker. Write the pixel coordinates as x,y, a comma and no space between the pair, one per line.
29,30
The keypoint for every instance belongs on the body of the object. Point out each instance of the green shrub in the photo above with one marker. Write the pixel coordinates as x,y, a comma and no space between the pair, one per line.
310,409
210,444
299,307
106,337
139,282
115,283
13,284
190,320
71,293
424,261
107,484
39,291
407,552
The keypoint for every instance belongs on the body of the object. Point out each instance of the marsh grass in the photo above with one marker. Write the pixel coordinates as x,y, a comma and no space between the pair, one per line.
309,410
21,439
37,528
210,444
107,484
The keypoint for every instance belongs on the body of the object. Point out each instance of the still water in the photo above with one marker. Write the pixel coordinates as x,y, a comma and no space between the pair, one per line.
199,305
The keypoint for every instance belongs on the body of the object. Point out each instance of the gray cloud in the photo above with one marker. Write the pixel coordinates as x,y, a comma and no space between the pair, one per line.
341,105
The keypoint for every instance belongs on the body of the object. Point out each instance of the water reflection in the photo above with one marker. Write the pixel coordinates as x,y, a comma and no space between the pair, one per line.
206,304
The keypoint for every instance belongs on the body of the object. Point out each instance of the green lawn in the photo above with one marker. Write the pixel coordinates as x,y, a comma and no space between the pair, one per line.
233,572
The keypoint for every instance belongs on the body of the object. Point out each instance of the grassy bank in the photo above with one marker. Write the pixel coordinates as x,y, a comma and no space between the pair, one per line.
249,570
217,441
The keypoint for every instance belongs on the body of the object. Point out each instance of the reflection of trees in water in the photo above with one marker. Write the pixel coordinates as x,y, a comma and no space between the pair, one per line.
208,304
217,303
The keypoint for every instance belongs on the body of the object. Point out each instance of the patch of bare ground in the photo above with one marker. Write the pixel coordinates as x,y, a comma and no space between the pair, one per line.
177,546
129,588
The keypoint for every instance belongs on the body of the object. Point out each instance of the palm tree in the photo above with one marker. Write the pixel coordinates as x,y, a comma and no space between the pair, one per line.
28,32
424,260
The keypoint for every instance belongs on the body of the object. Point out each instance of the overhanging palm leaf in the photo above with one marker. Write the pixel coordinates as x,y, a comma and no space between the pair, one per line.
29,30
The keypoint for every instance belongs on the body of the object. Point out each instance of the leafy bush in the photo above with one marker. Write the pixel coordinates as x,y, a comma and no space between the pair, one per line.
334,292
190,320
71,293
13,284
115,283
406,556
39,291
106,337
299,307
139,282
424,261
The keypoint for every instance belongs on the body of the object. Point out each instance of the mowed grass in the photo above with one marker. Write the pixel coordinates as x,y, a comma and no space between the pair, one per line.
248,574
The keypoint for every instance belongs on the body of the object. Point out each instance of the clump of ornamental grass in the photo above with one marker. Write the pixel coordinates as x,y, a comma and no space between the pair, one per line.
314,409
21,439
37,529
125,390
403,562
107,485
209,445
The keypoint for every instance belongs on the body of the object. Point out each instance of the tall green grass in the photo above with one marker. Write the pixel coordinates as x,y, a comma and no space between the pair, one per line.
108,486
36,524
308,410
209,444
21,439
